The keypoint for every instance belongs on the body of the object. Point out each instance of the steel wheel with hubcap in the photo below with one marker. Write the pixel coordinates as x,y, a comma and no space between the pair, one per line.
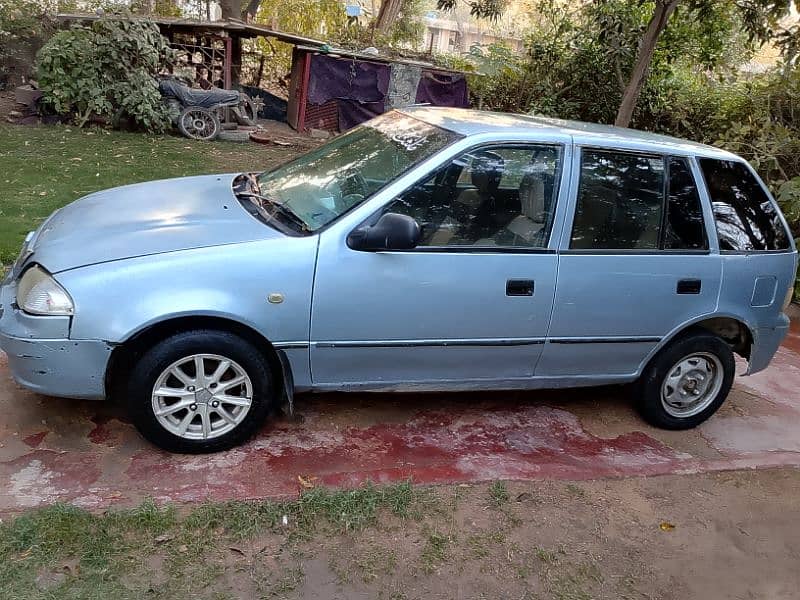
692,384
687,381
200,391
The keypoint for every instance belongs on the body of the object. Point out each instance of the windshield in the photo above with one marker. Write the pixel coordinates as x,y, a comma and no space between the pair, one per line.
320,186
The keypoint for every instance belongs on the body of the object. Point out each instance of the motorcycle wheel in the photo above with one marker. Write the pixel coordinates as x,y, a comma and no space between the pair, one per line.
198,123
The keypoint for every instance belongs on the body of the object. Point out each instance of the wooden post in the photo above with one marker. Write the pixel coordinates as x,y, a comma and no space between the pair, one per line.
260,70
228,60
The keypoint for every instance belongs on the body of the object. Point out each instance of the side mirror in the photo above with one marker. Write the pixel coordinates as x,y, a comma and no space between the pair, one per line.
392,232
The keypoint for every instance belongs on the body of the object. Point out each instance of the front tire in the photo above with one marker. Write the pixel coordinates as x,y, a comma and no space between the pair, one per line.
200,391
686,382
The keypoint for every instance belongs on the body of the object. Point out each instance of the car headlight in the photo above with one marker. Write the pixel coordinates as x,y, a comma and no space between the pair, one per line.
39,294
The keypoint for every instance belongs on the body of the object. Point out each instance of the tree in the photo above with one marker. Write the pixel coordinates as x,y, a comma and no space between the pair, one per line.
759,17
251,10
231,9
647,47
387,15
121,77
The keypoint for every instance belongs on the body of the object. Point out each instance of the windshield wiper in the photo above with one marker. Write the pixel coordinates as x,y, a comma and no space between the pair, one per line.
276,207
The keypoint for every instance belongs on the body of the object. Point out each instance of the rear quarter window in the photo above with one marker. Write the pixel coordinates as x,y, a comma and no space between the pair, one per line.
746,217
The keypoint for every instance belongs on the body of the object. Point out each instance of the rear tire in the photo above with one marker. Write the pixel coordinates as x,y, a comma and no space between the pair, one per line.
686,382
216,390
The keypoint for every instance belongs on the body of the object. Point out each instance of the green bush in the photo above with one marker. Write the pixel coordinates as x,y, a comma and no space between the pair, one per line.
105,69
24,24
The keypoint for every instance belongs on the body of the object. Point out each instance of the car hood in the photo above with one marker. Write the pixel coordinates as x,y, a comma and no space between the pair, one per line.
145,218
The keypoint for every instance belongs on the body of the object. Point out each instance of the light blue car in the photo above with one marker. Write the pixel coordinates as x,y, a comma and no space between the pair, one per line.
429,249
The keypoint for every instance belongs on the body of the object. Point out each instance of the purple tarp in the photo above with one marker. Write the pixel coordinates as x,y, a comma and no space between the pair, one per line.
360,88
352,113
440,89
346,78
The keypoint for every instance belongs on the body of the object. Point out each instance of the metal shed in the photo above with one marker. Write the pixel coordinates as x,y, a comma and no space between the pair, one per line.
336,89
330,89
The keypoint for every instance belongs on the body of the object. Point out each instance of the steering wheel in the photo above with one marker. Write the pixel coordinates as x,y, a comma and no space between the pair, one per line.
354,183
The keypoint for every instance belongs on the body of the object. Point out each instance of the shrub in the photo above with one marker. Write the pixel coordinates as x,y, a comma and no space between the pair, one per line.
24,24
105,69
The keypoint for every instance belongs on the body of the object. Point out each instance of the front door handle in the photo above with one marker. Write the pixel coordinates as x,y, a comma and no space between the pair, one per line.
519,287
689,286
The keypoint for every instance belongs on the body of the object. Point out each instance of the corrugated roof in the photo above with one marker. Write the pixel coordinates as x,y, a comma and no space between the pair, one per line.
250,30
341,52
230,26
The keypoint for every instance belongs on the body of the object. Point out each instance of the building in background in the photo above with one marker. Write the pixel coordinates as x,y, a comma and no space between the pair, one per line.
449,36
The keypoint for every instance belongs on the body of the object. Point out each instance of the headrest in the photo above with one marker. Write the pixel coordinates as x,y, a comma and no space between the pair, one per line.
531,196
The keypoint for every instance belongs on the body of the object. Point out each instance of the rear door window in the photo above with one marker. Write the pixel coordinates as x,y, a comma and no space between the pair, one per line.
684,228
620,201
747,219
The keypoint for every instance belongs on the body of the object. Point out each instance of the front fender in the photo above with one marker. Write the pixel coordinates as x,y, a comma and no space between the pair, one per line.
116,300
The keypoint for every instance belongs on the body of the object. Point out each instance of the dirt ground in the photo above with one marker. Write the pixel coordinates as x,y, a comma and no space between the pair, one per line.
705,537
712,536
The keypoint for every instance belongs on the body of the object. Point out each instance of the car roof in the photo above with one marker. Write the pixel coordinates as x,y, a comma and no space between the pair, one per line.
469,122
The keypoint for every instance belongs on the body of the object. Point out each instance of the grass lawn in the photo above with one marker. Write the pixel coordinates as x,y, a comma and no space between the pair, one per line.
64,552
44,168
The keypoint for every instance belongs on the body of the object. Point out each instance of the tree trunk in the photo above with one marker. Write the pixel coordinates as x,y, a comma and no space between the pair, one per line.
647,46
231,9
387,15
251,10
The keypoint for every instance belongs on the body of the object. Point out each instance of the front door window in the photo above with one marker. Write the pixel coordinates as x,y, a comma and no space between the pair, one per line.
499,196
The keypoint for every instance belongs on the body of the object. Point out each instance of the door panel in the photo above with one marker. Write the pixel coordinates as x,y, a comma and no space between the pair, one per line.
402,317
611,311
637,267
471,302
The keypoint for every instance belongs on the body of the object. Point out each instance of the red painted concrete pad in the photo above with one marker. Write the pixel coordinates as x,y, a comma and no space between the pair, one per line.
86,453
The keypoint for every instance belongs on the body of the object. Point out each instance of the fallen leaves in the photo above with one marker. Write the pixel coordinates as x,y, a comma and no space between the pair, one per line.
161,539
307,482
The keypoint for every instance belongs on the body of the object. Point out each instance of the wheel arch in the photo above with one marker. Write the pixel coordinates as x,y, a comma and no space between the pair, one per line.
731,328
137,342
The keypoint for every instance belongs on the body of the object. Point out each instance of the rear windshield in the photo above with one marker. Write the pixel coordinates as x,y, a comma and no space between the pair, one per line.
747,219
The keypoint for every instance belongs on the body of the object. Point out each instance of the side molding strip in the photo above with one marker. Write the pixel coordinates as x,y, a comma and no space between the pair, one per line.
605,340
429,343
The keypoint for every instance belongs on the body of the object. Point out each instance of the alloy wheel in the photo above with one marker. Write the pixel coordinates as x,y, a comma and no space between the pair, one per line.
202,396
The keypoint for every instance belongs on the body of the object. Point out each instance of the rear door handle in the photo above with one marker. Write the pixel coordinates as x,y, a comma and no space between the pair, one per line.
519,287
689,286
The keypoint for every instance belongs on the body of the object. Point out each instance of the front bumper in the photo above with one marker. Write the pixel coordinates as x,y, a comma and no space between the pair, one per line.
42,358
58,367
